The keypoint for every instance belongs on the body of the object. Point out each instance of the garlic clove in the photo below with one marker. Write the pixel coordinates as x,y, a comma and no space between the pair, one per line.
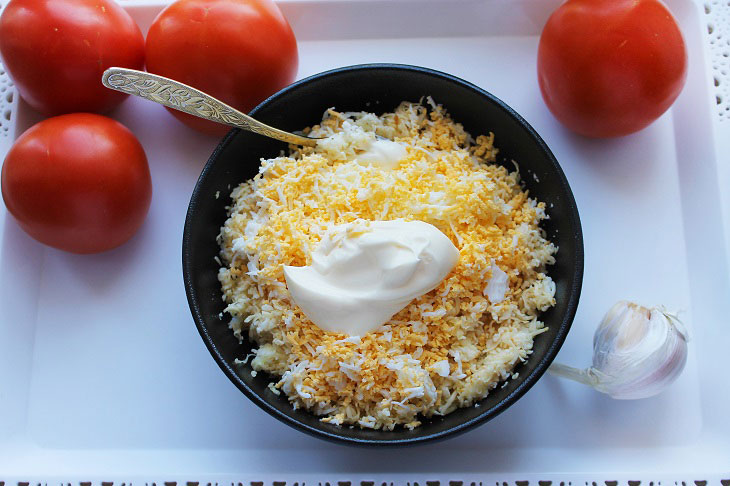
637,352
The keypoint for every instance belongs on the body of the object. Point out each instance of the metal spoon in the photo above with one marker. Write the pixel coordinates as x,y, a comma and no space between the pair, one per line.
185,98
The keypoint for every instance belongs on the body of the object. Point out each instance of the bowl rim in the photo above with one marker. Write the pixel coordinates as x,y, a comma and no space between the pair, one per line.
489,413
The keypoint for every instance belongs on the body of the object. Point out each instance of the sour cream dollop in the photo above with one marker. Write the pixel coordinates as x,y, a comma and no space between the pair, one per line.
363,273
385,154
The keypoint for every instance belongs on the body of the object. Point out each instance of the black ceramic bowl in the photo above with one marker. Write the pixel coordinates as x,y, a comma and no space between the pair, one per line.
378,88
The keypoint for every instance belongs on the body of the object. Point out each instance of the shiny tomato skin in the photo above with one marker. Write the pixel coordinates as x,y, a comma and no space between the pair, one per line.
77,182
56,51
609,68
239,51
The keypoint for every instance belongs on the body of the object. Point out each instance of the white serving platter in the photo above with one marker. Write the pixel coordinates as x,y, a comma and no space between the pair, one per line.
103,376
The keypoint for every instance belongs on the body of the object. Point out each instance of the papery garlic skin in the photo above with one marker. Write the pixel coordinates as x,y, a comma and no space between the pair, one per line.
637,352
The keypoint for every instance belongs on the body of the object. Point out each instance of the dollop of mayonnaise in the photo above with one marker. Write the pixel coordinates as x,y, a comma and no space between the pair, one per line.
363,273
382,153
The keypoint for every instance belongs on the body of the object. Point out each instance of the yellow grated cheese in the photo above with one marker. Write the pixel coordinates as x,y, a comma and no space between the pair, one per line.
449,347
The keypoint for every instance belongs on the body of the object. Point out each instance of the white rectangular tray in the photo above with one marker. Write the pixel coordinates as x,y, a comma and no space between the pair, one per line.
103,376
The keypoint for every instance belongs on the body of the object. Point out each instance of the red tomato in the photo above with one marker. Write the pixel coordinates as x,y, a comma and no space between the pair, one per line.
610,67
56,50
78,182
239,51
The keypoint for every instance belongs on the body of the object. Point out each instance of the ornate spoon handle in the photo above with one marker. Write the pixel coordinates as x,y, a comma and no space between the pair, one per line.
185,98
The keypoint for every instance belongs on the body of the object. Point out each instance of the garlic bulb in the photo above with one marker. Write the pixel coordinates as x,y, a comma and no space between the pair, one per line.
637,352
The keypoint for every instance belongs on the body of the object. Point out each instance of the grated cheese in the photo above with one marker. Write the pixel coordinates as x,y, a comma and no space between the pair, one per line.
449,347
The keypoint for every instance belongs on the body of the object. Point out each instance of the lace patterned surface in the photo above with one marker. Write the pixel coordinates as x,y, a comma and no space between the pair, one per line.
8,105
347,480
717,15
